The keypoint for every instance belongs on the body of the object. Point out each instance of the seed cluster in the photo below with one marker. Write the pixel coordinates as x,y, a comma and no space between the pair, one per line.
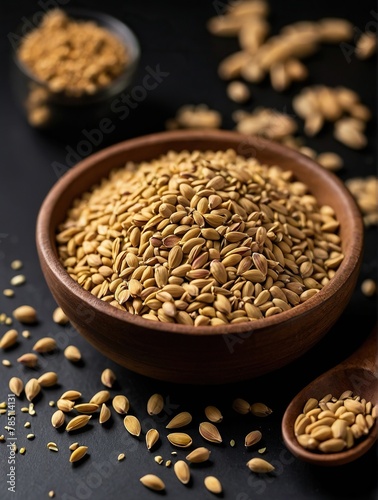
74,57
200,238
334,424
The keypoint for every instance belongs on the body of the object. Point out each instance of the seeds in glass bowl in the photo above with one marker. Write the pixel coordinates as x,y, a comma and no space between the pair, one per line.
200,238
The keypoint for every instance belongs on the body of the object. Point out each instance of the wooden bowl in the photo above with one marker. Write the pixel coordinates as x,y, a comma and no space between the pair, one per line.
207,354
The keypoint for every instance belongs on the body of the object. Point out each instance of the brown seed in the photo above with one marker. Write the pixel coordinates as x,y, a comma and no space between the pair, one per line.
105,414
213,414
155,404
152,437
25,314
260,465
213,484
182,471
198,455
28,359
209,432
57,419
260,410
16,385
179,420
252,438
45,344
121,404
108,377
72,353
152,482
132,425
78,454
48,379
32,389
78,422
8,339
59,316
180,439
241,406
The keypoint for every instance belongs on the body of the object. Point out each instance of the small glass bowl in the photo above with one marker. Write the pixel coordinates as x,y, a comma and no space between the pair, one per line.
58,112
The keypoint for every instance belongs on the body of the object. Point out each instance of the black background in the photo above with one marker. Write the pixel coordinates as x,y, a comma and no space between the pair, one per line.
174,36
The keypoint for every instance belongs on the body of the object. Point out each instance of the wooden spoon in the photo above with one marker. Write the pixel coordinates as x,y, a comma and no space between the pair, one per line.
357,373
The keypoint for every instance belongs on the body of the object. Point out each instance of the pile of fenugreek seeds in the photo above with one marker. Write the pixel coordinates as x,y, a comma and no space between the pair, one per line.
200,238
80,57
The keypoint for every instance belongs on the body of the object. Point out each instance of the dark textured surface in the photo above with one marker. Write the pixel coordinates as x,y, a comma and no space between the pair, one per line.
172,35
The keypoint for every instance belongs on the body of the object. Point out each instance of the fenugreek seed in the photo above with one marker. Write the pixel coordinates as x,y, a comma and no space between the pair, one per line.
198,455
18,280
45,344
182,471
159,459
155,404
152,482
213,414
121,404
332,445
252,438
260,410
32,389
48,379
213,484
210,432
108,377
8,339
25,314
105,414
260,465
241,406
86,407
179,420
78,422
132,425
72,353
152,437
121,457
59,316
71,395
73,446
100,397
28,359
16,385
57,419
78,454
65,405
180,439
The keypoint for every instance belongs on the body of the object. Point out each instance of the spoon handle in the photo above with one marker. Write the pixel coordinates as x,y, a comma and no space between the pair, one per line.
365,356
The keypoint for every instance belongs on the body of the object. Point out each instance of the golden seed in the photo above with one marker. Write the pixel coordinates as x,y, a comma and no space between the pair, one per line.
6,362
51,403
16,264
78,454
71,395
213,484
27,425
179,420
180,439
100,397
51,494
155,404
72,353
241,406
121,457
132,425
121,404
18,280
213,414
198,455
159,459
332,445
209,432
260,410
252,438
32,389
45,344
152,436
22,451
108,377
25,314
52,446
152,482
59,316
310,405
353,406
28,359
8,339
369,287
65,405
260,465
73,446
86,407
26,334
78,422
16,385
57,419
30,436
8,292
182,471
105,414
48,379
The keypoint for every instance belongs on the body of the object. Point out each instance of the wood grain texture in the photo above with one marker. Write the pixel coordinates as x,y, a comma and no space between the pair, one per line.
200,355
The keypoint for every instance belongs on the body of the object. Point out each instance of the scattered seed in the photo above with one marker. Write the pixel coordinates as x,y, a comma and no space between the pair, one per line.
198,455
48,379
8,292
8,339
16,264
241,406
100,397
210,432
32,389
25,314
105,414
16,385
152,482
78,454
27,425
86,408
78,422
152,437
159,459
26,334
252,438
22,451
132,425
155,404
213,484
108,377
121,404
260,410
73,446
28,359
121,457
18,280
369,287
72,353
180,439
59,316
180,420
57,419
45,344
182,471
260,465
65,405
71,395
232,443
213,414
52,446
51,494
6,362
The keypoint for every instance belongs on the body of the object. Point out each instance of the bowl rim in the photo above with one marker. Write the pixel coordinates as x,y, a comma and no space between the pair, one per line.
48,252
130,41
